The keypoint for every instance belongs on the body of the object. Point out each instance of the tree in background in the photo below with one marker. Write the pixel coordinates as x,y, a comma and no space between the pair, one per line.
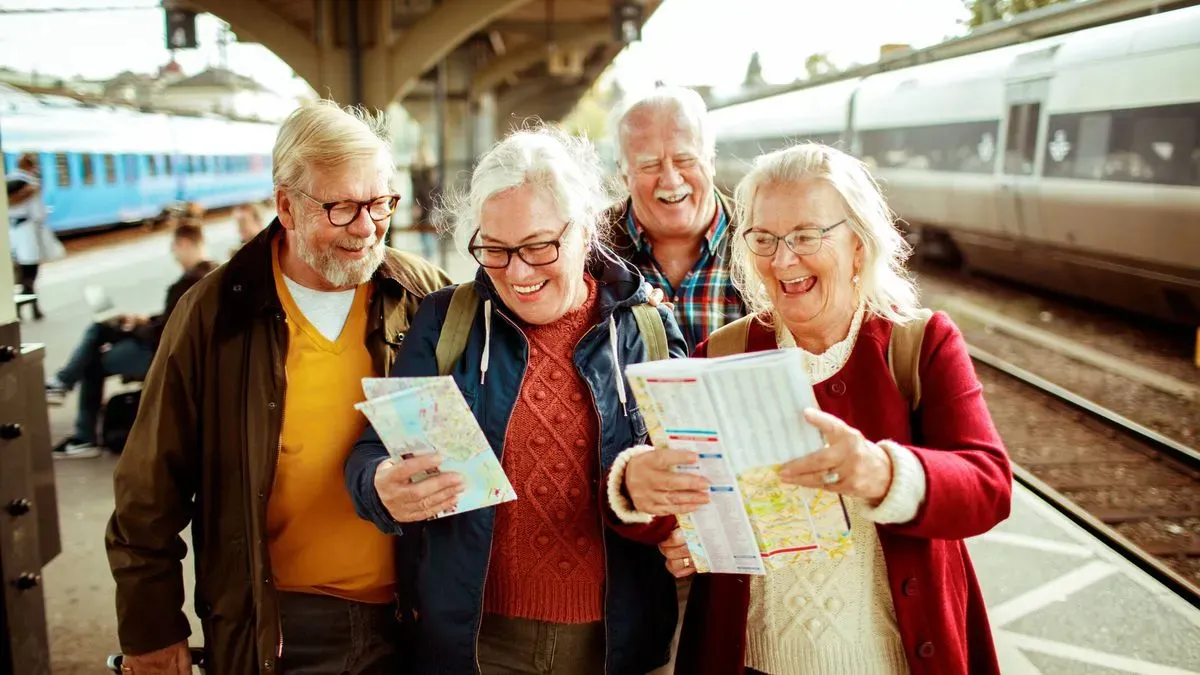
818,65
754,76
986,11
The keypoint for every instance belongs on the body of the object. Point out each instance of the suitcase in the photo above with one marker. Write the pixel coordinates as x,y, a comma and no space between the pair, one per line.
119,414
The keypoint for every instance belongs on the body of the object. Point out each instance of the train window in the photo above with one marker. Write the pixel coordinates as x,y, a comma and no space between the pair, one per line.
130,168
749,149
1159,144
89,169
152,165
62,170
962,147
191,164
110,169
1020,149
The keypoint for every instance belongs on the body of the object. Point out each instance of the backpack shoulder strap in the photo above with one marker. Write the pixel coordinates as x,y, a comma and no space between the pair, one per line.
457,327
732,338
904,356
654,333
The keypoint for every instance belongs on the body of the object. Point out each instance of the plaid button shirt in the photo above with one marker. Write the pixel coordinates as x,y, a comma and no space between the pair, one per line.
706,299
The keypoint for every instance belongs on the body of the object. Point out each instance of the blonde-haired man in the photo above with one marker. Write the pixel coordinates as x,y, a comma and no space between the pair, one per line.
247,417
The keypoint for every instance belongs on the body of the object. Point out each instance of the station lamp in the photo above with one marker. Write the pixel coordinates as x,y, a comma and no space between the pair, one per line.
627,21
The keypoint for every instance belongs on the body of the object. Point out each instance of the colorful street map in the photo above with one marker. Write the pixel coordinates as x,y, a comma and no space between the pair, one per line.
416,416
741,416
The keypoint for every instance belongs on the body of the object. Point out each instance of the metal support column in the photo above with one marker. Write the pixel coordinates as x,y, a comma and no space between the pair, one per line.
440,108
354,51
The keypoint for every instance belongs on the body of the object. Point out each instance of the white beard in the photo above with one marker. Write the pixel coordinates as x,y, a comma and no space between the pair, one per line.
339,273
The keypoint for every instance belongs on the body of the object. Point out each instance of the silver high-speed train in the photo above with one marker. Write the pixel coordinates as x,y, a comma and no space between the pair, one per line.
1070,163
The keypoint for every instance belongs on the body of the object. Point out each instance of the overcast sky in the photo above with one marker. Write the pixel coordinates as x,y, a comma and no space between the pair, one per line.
692,42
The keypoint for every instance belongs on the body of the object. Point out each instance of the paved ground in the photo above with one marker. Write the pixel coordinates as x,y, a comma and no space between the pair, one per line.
1059,603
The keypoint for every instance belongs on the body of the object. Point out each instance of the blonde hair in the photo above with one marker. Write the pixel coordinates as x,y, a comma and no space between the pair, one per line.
320,135
886,287
564,167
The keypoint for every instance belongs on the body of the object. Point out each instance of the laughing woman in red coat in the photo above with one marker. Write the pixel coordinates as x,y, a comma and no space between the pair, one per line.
819,260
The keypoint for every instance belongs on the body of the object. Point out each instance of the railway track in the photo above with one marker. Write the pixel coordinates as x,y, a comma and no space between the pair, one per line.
1134,489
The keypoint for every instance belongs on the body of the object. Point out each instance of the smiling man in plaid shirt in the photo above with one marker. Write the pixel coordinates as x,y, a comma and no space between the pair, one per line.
675,226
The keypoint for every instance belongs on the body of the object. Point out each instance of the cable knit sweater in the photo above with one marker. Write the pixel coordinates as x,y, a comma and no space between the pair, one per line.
834,616
547,552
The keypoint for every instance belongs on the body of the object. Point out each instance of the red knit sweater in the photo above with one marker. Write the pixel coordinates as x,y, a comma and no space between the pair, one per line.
547,553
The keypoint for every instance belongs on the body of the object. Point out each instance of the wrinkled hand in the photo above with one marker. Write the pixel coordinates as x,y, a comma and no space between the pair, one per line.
658,489
410,502
675,550
173,660
862,468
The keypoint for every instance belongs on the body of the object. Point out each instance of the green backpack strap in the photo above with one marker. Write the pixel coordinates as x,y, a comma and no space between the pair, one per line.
904,356
654,333
452,341
730,338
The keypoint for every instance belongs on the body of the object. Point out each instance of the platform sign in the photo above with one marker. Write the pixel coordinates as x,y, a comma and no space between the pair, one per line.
627,21
181,29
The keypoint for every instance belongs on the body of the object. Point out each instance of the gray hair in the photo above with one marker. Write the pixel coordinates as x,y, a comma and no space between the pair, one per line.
887,288
564,167
685,103
321,134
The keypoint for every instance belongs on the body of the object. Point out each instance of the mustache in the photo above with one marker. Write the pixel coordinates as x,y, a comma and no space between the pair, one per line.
357,243
673,194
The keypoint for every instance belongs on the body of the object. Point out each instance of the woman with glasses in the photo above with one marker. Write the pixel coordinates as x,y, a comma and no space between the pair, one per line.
551,582
919,467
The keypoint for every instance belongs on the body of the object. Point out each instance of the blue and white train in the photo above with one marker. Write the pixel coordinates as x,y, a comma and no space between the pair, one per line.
103,166
1070,163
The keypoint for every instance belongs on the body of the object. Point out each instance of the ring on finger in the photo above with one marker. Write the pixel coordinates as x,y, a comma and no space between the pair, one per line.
831,477
685,562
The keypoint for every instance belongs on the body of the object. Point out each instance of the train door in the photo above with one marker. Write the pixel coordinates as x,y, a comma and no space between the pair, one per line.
1020,163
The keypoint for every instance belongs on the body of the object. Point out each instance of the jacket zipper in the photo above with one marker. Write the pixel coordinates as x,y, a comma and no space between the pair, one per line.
488,566
600,493
274,469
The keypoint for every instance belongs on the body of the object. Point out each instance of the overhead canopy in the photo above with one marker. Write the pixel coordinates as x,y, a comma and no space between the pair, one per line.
535,56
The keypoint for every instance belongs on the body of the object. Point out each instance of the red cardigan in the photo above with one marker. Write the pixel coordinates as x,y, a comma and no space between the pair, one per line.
939,607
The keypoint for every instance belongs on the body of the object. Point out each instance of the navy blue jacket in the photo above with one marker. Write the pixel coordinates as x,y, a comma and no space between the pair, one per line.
449,556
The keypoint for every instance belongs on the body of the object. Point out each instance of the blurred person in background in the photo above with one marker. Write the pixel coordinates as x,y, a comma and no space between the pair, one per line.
249,223
820,262
27,219
427,190
247,418
124,346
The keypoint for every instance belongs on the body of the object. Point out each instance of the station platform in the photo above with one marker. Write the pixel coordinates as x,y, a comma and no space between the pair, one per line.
1060,602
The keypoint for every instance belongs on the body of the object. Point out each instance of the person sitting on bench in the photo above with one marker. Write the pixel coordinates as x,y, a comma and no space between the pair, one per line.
122,346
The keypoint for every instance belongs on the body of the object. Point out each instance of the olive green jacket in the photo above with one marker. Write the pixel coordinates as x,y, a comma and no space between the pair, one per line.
203,452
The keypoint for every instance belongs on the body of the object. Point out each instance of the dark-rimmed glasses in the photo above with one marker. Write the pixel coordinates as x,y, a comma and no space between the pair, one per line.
804,241
344,212
534,254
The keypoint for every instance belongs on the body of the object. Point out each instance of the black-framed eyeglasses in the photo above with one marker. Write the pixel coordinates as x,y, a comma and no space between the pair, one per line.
534,254
344,212
803,241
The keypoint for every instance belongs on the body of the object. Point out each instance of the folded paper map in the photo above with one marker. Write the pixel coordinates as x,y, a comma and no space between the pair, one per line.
743,416
423,415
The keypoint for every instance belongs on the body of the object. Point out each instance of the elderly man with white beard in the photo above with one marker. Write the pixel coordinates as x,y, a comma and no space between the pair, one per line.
676,227
247,417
